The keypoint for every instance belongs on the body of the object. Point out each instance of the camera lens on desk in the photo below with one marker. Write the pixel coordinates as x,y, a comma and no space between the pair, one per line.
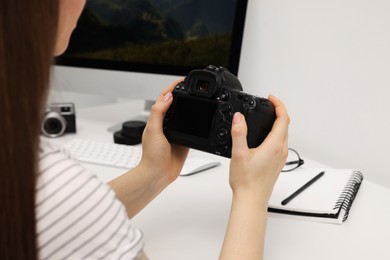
53,124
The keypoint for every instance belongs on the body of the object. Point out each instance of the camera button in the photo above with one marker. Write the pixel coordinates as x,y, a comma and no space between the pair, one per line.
223,135
252,103
225,108
212,68
224,96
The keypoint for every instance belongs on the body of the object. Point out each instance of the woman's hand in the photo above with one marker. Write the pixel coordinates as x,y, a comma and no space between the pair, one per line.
159,156
160,164
256,170
253,173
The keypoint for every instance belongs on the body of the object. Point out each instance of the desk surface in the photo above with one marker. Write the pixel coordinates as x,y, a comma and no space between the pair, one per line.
188,219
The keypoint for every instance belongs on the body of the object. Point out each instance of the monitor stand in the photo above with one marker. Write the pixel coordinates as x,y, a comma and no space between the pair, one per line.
143,116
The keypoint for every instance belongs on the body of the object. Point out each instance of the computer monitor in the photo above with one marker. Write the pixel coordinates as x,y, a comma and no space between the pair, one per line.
136,48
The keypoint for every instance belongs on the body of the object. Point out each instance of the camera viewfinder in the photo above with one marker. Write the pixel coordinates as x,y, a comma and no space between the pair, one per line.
202,86
65,109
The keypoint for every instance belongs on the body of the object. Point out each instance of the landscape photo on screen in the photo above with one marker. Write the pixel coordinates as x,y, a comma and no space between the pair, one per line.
177,32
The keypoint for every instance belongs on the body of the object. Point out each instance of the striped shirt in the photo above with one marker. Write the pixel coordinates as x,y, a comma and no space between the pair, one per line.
78,216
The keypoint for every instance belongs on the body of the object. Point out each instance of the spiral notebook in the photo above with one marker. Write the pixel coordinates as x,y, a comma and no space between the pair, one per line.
328,199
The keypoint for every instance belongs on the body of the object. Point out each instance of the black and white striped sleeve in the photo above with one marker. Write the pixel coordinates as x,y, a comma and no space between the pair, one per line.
78,216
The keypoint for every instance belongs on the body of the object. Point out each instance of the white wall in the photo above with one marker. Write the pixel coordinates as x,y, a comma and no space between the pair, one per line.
329,61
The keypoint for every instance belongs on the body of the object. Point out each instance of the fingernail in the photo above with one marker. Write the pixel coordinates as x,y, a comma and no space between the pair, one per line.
237,117
167,97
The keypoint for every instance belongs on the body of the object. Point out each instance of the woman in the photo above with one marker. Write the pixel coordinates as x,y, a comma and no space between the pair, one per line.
44,216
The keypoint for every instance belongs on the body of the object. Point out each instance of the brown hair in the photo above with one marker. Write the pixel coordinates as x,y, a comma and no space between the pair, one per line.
27,38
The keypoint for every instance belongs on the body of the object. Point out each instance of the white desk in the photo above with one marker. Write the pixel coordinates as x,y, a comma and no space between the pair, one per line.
188,220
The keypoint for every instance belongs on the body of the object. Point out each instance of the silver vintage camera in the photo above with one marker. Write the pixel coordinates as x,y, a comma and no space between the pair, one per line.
59,118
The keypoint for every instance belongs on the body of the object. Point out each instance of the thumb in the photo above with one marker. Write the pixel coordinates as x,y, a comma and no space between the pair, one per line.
239,135
159,109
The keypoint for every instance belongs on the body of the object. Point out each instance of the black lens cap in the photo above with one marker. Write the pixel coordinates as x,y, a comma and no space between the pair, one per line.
131,133
133,128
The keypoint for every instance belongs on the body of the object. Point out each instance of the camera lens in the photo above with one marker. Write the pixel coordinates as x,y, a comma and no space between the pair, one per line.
53,125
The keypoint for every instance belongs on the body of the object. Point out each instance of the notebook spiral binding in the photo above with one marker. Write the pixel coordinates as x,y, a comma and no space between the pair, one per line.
349,193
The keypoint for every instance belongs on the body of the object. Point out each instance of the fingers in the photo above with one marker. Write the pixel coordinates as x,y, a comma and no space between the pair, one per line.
161,106
171,87
282,117
280,127
277,139
158,111
239,135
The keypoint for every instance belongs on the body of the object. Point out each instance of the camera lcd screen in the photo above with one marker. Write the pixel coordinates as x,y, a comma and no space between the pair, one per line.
194,117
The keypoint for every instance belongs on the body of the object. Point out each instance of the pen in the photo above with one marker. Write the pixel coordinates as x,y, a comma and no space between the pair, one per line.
304,187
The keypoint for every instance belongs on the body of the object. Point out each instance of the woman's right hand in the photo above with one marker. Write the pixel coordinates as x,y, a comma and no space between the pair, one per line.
255,171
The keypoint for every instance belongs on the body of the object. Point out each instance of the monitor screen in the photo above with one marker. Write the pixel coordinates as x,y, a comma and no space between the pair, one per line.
157,36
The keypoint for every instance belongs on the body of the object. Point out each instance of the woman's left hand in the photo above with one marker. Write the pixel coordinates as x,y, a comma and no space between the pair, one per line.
158,155
160,164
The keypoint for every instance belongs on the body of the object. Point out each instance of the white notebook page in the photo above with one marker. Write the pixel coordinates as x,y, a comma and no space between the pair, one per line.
320,197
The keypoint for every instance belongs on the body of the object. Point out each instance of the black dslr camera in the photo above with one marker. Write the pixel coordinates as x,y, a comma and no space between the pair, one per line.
59,118
201,114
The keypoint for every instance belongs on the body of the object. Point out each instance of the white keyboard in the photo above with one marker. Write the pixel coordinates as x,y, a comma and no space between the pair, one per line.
126,156
105,153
